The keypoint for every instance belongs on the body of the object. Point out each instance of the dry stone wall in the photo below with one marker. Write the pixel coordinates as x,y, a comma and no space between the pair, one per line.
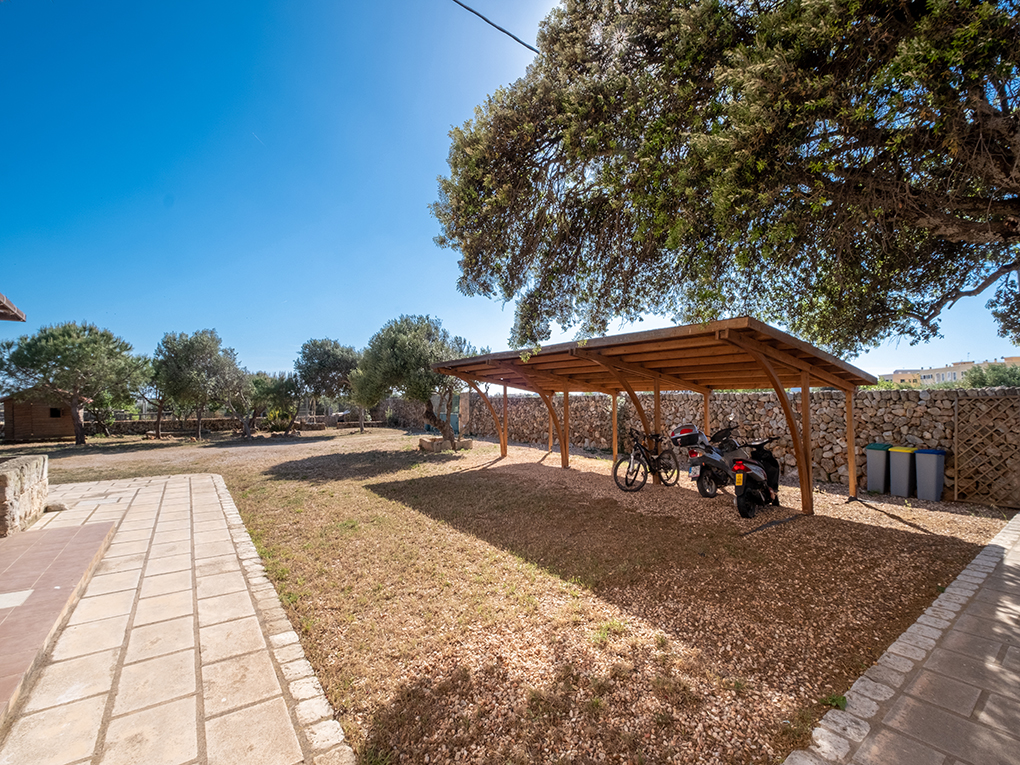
922,418
24,486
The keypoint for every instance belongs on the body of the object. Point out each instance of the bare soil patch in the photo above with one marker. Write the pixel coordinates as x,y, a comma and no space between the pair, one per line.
471,608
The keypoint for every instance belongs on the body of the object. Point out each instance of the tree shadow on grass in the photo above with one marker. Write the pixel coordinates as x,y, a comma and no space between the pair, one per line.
354,465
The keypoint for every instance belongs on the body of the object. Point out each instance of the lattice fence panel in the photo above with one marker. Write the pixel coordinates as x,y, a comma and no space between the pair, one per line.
988,450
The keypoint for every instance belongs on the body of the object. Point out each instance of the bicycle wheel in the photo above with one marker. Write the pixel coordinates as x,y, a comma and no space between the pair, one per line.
669,468
630,473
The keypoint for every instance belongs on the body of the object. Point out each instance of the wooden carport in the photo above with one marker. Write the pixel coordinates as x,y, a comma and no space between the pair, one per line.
733,354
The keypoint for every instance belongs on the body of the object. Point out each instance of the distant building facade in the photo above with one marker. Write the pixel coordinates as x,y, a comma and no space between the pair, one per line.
952,373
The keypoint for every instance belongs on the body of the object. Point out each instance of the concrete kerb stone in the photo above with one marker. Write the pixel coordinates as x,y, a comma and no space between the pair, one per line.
840,733
312,713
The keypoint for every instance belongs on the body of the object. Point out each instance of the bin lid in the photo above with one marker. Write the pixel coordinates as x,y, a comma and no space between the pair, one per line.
879,447
932,451
908,449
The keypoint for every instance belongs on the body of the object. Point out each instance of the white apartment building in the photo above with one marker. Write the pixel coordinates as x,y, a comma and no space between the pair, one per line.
951,373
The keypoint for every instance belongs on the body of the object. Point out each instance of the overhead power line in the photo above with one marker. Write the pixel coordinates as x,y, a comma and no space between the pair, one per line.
497,26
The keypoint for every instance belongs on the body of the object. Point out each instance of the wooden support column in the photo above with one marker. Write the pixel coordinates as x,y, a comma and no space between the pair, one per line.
805,426
550,430
616,436
851,441
657,420
565,443
807,502
705,402
504,440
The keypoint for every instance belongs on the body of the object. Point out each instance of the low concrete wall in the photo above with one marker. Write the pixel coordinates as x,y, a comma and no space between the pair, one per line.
24,486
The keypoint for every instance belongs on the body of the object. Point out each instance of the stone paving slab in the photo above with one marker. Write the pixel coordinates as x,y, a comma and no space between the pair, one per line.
178,651
41,578
947,692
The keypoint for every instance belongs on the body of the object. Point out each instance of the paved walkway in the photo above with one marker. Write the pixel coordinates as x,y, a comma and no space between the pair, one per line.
178,650
947,692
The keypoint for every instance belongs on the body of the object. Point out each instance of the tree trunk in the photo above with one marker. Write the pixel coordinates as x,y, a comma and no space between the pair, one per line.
361,418
443,427
293,418
76,420
198,420
159,421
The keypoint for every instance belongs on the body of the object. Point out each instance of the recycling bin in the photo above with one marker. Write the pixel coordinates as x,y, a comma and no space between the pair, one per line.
878,467
931,473
902,471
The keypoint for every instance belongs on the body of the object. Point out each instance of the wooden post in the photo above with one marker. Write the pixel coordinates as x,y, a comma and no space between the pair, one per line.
550,430
565,443
805,426
656,423
504,439
616,436
851,441
705,401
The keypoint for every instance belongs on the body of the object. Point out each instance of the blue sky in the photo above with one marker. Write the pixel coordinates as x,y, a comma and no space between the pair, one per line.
263,169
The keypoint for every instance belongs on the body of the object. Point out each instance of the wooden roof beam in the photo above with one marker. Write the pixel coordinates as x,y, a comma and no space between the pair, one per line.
784,358
550,381
625,366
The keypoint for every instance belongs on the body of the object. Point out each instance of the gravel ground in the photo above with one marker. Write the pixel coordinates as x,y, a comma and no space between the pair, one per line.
660,626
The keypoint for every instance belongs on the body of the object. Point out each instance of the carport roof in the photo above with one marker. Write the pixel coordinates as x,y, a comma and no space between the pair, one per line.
8,311
718,355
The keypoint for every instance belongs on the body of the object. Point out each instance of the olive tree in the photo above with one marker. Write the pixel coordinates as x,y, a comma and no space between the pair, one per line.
399,358
847,169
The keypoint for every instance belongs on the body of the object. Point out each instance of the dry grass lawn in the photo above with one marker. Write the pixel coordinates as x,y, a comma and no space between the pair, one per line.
466,608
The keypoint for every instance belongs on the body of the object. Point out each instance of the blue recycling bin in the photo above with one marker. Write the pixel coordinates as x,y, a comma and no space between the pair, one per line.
931,473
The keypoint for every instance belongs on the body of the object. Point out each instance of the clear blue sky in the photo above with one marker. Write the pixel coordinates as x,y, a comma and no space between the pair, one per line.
261,168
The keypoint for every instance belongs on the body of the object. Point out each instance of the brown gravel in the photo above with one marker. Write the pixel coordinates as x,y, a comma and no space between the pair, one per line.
475,609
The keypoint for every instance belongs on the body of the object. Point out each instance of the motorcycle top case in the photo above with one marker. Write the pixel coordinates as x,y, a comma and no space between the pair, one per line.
685,435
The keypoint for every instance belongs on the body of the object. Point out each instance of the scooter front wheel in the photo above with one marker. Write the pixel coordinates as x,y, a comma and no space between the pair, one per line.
630,473
706,483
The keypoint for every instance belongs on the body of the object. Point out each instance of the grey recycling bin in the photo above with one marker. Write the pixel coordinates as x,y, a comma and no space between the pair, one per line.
878,467
931,469
902,471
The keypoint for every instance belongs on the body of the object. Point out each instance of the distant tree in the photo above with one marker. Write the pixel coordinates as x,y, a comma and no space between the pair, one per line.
71,363
104,406
847,169
992,376
242,393
325,367
153,389
400,357
366,391
285,396
193,367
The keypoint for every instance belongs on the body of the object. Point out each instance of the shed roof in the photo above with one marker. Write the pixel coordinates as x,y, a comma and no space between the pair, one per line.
8,311
717,355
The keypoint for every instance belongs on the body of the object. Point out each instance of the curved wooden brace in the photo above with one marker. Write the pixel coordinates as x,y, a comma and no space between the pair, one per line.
804,466
553,419
627,387
492,410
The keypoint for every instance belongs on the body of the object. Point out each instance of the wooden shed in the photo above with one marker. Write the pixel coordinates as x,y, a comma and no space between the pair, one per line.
36,420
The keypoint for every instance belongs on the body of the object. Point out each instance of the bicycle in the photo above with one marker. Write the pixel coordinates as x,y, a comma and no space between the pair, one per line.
641,461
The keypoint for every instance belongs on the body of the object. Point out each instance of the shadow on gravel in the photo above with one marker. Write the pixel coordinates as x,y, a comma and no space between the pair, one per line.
356,465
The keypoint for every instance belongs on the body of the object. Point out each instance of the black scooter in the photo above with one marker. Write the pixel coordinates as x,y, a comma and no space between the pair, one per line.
721,461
